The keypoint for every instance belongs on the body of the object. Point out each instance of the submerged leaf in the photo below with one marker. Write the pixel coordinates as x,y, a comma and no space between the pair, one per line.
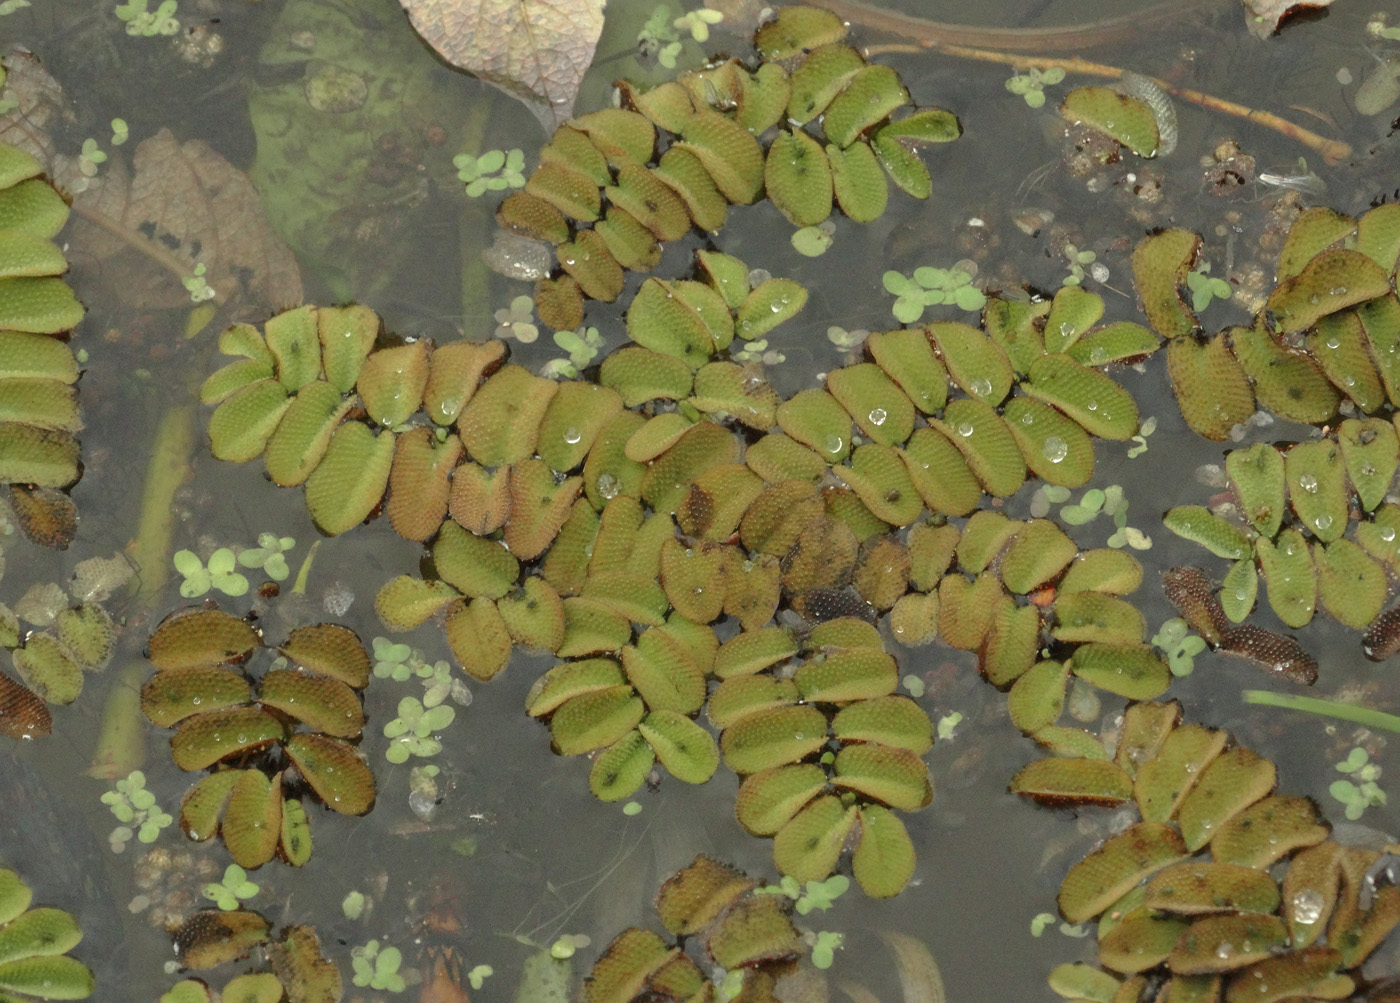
204,211
534,51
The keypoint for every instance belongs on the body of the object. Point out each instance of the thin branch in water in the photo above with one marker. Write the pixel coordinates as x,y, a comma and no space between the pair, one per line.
1327,708
1332,150
162,256
1060,38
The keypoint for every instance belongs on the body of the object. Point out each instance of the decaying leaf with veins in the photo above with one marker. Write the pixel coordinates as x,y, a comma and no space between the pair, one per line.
39,106
532,50
193,196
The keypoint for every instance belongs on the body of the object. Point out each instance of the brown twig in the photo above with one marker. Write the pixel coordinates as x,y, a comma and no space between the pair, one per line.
1063,38
1332,150
162,256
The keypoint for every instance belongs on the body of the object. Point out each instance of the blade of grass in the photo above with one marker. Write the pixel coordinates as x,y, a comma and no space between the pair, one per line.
1328,708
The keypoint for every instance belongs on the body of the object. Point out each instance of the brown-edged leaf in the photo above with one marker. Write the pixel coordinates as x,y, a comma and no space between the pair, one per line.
533,50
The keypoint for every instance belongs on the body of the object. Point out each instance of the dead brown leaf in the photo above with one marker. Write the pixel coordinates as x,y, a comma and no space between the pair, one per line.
47,516
39,105
534,50
185,205
1263,16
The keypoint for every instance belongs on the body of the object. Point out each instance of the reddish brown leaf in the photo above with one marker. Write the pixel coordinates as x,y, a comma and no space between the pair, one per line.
47,515
22,713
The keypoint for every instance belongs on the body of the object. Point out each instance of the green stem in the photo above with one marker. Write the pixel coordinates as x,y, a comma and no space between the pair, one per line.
299,586
168,467
474,229
121,744
1328,708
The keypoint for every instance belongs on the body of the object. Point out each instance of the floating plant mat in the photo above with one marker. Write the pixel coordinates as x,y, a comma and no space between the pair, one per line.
67,641
1326,334
39,418
725,575
211,939
612,522
562,520
219,716
34,946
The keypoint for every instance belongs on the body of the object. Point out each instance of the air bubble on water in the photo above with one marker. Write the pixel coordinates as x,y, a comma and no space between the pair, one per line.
1307,906
338,599
423,806
1055,449
877,417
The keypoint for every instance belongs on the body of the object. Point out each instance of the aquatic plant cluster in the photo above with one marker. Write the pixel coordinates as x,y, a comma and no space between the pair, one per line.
744,932
299,968
217,716
71,640
1225,927
491,471
714,159
610,523
1335,301
686,541
39,418
34,946
1328,333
